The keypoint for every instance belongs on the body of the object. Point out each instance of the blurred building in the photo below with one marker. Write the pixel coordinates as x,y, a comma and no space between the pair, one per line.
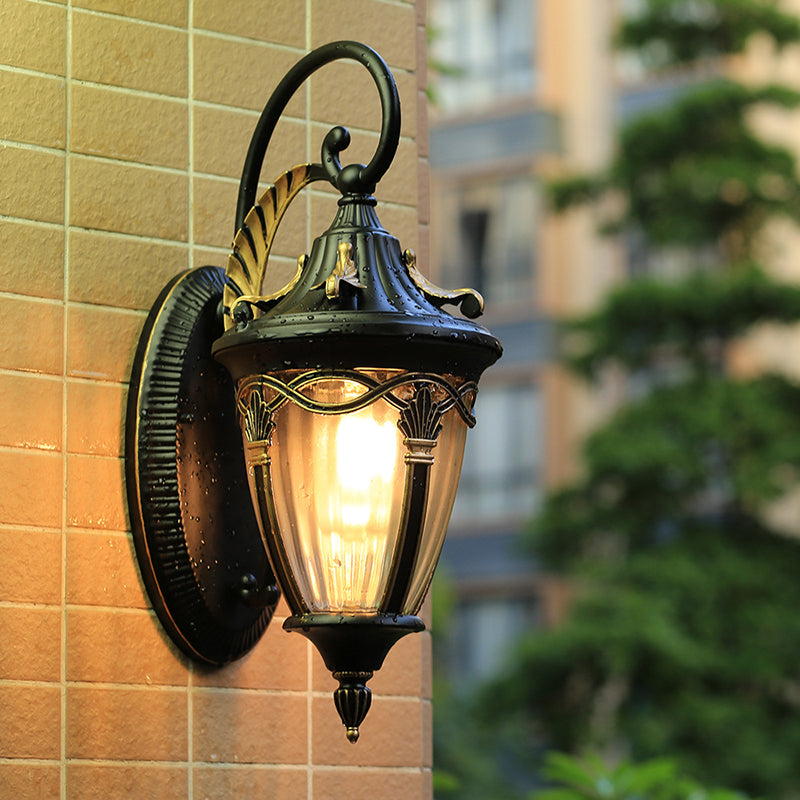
525,90
521,88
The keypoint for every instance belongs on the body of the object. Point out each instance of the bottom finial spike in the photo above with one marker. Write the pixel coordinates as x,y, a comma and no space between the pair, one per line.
352,700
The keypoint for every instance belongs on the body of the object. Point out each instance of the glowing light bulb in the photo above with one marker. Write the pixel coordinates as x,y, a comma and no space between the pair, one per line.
366,451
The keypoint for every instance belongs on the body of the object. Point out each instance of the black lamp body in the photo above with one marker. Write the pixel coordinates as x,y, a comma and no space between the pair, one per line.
357,332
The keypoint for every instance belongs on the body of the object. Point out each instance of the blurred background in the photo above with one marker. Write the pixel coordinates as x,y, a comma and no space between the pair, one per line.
618,178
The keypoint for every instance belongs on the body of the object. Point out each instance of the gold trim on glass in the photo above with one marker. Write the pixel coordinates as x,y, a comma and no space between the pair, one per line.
394,390
419,451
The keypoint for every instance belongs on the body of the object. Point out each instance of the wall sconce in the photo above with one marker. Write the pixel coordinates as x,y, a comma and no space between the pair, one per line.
313,435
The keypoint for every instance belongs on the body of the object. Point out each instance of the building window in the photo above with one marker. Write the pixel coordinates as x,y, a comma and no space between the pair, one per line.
481,634
489,238
502,462
486,47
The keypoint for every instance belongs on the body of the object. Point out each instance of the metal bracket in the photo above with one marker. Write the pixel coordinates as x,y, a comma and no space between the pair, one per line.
197,539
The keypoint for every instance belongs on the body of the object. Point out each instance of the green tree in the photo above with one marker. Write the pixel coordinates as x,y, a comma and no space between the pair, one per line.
589,778
684,635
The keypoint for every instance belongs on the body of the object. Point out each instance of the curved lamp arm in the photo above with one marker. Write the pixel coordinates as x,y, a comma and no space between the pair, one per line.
354,178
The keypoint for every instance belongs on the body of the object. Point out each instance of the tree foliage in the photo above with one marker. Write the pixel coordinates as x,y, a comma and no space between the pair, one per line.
683,637
697,167
588,778
676,32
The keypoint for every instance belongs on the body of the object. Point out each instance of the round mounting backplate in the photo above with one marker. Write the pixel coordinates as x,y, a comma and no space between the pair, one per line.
196,535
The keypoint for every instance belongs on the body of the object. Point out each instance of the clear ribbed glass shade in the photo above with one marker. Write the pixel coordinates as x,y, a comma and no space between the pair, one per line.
338,483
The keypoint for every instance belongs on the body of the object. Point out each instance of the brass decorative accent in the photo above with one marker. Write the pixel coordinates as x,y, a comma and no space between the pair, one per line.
252,243
343,272
421,422
458,397
264,302
471,302
258,422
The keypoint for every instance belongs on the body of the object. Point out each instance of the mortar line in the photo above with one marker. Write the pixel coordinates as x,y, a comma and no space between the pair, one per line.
64,401
190,39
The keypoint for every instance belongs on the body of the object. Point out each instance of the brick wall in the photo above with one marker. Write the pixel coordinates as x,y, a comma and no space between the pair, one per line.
123,127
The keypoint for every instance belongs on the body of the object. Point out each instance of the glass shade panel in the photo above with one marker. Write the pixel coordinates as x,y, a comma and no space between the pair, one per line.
445,471
337,482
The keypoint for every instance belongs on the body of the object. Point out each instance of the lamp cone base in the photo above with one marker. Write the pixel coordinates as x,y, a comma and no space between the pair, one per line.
353,647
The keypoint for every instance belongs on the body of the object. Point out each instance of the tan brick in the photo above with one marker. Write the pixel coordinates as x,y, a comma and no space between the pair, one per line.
427,734
221,783
278,661
133,782
234,726
421,7
34,36
101,571
426,688
210,256
391,735
96,418
31,644
390,31
33,109
421,66
214,209
128,199
33,335
30,781
115,646
95,489
366,784
423,191
31,722
117,330
343,93
121,271
241,75
422,124
34,497
173,13
284,23
30,412
222,136
399,185
150,130
399,675
32,260
30,569
130,54
427,789
31,184
127,724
